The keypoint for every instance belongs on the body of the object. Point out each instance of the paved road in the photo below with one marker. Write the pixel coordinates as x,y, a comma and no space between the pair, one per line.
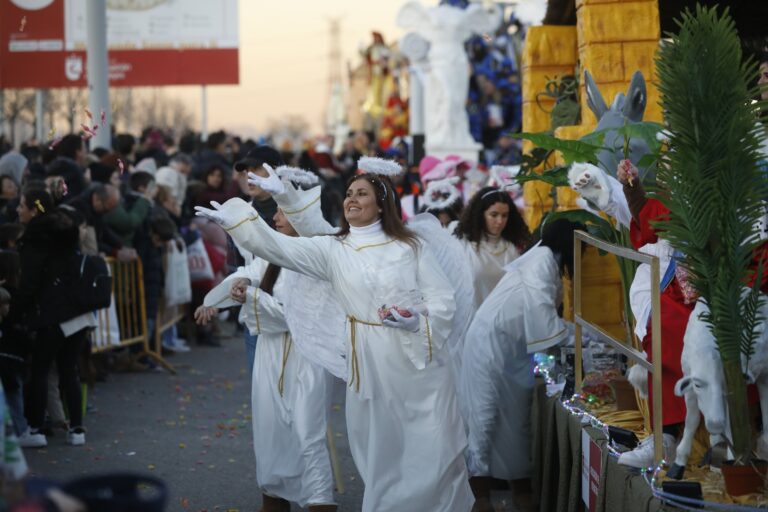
193,430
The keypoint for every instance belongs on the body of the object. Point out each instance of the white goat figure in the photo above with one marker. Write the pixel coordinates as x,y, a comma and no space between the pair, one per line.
703,385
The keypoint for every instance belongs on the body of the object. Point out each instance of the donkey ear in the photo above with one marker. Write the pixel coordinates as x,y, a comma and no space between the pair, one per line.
634,106
682,385
594,98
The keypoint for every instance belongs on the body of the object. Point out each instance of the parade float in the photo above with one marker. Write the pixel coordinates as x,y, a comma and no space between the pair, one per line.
707,175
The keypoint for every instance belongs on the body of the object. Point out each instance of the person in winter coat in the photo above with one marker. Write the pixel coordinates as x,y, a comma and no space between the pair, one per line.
49,243
14,348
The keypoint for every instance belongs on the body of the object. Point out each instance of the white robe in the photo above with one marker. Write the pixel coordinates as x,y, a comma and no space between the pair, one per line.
290,399
518,318
405,432
289,429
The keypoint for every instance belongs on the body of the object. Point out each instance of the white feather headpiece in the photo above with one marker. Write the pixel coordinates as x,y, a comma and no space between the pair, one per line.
504,178
297,175
377,165
442,193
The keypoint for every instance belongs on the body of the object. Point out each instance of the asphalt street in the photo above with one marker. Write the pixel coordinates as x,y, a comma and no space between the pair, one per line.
192,430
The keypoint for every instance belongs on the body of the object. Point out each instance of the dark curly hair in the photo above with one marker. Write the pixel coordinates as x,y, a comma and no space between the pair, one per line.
472,223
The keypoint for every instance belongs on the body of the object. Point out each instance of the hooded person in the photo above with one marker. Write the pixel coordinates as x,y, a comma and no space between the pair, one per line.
14,165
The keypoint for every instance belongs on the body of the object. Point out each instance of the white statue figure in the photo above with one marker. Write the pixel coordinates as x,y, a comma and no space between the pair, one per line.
447,28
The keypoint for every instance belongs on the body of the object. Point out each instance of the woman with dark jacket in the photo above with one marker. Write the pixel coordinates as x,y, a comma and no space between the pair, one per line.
46,250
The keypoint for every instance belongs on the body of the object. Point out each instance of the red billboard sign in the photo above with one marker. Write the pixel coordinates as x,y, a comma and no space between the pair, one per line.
151,43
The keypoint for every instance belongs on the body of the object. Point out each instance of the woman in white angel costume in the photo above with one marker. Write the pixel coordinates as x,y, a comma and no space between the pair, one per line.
405,432
493,234
518,318
290,392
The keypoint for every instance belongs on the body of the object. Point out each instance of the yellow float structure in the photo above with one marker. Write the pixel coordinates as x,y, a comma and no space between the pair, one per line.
612,39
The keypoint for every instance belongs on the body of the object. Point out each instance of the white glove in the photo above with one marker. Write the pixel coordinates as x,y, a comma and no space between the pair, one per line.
590,181
409,323
272,184
229,214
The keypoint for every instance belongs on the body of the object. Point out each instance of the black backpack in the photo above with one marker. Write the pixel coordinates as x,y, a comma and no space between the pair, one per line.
85,286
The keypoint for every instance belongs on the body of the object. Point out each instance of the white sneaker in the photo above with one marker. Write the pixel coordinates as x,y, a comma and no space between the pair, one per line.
76,437
32,439
642,456
176,346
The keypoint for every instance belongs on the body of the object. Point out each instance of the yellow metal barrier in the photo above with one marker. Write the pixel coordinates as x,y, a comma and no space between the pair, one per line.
128,294
581,238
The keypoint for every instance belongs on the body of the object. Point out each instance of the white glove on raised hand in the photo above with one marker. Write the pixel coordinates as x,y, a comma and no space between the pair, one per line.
590,181
272,184
229,214
408,323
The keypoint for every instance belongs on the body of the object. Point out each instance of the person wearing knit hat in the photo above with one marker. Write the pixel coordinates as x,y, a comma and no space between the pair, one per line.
14,164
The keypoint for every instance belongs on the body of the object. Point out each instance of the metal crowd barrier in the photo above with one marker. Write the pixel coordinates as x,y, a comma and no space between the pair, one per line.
128,297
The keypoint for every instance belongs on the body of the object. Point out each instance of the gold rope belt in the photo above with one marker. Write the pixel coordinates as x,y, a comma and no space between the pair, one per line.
355,380
287,344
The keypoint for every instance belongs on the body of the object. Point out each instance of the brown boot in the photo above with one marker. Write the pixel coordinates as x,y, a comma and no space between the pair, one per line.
272,504
322,508
481,488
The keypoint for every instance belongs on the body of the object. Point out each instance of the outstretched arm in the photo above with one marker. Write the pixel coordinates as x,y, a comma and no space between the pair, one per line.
308,256
301,207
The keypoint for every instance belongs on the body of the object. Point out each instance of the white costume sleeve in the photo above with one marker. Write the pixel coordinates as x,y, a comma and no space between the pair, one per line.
449,252
219,298
435,326
263,313
302,208
308,256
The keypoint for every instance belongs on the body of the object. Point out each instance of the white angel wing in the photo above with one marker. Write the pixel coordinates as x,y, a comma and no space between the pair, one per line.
316,321
453,261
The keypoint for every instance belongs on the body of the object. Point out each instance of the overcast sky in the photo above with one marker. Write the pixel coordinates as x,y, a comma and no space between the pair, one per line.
284,64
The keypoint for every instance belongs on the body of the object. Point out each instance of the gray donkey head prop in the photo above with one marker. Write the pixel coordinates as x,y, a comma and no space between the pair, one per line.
625,109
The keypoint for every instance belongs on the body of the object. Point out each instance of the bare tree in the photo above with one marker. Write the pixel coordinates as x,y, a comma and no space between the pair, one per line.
19,107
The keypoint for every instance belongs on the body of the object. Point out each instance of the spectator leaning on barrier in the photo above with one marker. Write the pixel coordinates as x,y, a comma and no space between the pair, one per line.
92,204
134,209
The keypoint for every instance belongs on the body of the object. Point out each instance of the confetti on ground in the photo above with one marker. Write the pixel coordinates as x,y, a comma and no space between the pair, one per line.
151,467
23,23
182,445
131,454
184,503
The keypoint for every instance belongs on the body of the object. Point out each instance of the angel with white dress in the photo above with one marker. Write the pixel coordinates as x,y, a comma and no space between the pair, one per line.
405,433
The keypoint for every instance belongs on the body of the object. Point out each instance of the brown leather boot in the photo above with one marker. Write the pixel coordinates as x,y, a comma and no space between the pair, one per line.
322,508
481,488
272,504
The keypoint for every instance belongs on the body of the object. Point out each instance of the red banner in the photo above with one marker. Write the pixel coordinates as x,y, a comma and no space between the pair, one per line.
39,50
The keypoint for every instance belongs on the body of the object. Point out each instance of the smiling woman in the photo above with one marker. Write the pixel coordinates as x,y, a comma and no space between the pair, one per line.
405,433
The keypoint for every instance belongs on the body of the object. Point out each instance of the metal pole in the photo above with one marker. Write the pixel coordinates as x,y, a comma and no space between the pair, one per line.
658,451
39,116
578,377
129,111
2,113
203,113
98,71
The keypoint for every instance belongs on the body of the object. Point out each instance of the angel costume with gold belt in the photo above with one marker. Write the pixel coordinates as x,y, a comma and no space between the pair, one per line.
405,432
299,207
291,392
